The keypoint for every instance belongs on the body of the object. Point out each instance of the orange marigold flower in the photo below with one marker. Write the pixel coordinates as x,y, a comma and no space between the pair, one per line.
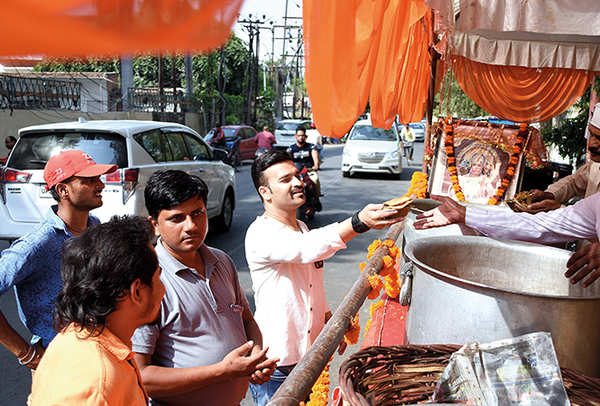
375,306
388,243
368,325
393,251
376,286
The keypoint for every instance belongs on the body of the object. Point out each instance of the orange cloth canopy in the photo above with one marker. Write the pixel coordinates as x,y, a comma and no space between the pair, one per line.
521,94
359,48
113,27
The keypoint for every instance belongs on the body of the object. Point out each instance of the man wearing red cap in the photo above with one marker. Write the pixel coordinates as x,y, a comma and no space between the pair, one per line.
32,263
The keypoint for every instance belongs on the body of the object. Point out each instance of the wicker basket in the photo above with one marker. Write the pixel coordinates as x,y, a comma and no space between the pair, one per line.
408,374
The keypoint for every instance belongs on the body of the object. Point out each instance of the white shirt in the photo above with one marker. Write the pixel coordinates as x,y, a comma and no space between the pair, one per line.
288,285
581,220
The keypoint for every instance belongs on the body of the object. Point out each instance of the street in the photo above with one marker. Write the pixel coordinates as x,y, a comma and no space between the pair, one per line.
343,196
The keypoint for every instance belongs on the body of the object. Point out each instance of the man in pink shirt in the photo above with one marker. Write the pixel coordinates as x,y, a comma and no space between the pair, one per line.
265,139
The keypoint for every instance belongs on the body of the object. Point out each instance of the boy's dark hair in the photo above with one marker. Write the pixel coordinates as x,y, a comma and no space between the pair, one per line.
98,268
265,161
301,128
166,189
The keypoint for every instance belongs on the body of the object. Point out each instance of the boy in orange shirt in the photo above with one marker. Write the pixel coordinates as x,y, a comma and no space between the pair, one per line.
111,286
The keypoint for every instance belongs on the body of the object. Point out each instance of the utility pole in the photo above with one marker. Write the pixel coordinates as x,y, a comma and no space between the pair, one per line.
189,85
174,81
161,85
126,81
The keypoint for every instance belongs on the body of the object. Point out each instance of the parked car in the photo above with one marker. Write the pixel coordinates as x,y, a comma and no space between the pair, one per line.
371,149
419,130
138,148
239,140
285,131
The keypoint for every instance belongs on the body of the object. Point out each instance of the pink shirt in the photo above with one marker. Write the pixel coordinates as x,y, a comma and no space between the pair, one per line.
579,221
264,139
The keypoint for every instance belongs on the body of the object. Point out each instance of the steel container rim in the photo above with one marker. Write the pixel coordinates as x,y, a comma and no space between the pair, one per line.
418,243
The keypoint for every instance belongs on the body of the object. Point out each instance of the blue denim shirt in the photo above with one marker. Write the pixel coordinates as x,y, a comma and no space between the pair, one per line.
32,266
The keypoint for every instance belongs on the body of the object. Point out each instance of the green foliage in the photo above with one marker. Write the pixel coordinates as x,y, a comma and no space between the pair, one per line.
205,70
459,104
569,135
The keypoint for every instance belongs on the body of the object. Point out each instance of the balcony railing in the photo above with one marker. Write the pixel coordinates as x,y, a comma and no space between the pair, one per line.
39,93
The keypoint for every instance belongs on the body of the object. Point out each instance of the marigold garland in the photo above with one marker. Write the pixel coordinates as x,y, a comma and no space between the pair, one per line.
319,394
512,164
351,336
418,186
510,171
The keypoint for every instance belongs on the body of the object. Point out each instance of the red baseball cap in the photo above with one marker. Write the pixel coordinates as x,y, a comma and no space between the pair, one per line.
72,163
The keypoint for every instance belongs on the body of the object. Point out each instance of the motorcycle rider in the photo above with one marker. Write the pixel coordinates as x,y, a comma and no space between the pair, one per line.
306,155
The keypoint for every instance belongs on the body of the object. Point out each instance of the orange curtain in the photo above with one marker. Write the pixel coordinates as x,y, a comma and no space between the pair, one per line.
113,27
331,58
400,23
354,51
521,94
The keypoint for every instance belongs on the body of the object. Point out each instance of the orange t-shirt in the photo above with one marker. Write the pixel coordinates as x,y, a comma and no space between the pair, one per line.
76,370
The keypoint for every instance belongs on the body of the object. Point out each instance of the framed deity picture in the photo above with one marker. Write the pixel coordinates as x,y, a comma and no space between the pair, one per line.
482,153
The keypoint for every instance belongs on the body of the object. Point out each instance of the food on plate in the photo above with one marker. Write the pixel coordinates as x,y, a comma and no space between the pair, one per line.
520,201
402,204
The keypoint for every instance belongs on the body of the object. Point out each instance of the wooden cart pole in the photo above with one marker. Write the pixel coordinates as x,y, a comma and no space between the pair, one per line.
297,386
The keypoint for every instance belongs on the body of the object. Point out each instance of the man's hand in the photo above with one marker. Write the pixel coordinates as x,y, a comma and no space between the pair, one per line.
544,205
584,262
39,353
263,370
377,217
450,212
238,363
539,195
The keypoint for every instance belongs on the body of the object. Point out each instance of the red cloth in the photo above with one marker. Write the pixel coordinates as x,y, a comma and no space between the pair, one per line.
388,326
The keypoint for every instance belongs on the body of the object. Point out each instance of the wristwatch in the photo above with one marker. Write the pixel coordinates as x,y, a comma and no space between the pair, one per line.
357,225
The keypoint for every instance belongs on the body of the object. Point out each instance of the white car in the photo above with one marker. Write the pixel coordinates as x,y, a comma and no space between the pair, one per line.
285,132
138,148
371,149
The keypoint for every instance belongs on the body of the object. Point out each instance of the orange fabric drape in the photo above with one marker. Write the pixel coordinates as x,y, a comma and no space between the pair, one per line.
331,58
407,94
113,27
521,94
351,54
401,23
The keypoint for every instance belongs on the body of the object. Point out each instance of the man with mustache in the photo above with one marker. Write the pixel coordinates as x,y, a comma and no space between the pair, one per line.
205,347
583,183
32,263
286,264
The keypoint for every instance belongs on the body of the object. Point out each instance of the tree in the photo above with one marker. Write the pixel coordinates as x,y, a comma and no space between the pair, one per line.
457,103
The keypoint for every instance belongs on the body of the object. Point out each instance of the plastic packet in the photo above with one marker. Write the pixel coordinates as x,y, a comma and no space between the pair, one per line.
517,371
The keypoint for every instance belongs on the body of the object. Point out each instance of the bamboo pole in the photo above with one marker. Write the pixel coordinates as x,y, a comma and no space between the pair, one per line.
297,386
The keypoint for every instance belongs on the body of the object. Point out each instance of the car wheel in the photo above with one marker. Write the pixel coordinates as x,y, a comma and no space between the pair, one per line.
346,174
223,221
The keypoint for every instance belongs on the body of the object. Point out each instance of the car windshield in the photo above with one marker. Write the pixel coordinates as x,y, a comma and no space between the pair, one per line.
367,132
228,132
33,150
416,126
289,126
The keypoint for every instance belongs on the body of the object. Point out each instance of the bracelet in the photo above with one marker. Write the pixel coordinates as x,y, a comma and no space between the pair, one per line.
357,225
23,360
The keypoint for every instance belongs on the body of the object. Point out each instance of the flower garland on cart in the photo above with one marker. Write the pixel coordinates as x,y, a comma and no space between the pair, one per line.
510,171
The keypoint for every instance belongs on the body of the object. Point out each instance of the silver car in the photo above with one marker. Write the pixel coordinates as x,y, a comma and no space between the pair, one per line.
285,132
138,148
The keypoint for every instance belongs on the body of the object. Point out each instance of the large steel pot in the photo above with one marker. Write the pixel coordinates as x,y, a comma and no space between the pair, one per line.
467,288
